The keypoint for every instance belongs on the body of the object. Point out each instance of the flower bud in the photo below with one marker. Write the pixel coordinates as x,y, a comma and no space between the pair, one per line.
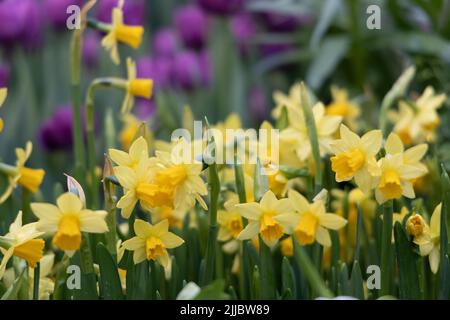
415,225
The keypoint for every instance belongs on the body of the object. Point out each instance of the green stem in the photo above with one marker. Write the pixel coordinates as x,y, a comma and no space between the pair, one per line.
77,131
386,248
37,274
267,277
312,133
26,210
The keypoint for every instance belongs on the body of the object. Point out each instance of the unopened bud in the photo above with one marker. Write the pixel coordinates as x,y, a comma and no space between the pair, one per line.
415,225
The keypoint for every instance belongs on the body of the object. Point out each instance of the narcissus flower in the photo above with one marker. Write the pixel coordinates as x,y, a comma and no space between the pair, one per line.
230,220
130,130
341,106
136,87
152,241
429,239
3,93
417,121
290,101
138,152
411,156
355,157
263,218
28,178
416,225
311,221
67,220
21,242
120,32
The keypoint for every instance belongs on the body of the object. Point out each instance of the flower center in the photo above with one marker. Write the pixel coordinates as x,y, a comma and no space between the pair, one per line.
390,185
155,195
31,251
173,176
346,164
154,248
270,229
131,35
31,179
337,109
306,228
68,236
235,226
405,136
141,88
415,225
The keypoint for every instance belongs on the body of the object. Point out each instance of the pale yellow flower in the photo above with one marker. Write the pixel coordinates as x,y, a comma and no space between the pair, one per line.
152,241
135,87
291,101
67,220
138,152
28,178
130,130
21,242
46,283
230,220
355,157
120,32
341,106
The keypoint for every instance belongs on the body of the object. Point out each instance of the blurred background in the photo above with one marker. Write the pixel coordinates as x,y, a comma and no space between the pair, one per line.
216,56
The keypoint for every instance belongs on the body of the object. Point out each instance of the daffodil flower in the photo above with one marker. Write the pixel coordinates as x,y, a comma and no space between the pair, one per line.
135,87
429,240
310,221
138,152
3,94
30,179
130,130
67,220
151,242
290,101
230,220
21,242
355,157
46,283
120,32
341,106
263,218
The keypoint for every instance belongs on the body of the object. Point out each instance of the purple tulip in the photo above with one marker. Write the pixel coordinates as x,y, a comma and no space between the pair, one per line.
243,28
192,25
165,42
145,108
281,23
269,49
4,75
186,72
133,11
91,47
56,11
157,68
222,7
56,132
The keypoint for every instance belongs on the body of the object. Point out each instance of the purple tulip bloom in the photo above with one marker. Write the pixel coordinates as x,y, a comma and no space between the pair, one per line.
133,11
157,68
165,42
243,28
56,132
269,49
186,72
222,7
91,47
282,23
192,25
4,75
56,11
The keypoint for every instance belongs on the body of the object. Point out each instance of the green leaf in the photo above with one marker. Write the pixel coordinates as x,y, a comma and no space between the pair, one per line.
109,283
328,13
267,271
288,278
260,183
407,265
356,281
138,280
283,120
12,292
292,173
255,285
444,267
213,291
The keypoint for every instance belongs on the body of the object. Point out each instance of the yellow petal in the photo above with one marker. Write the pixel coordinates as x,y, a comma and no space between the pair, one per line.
93,221
251,211
69,203
394,144
250,231
331,221
171,240
142,228
323,237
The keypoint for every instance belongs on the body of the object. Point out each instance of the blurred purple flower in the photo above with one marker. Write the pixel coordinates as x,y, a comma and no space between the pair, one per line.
192,25
243,28
186,72
145,108
165,42
56,132
4,75
157,68
133,11
20,21
91,47
222,7
269,49
258,105
56,11
205,66
283,23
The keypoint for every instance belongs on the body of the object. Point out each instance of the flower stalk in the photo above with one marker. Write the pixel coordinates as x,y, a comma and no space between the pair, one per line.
37,271
386,248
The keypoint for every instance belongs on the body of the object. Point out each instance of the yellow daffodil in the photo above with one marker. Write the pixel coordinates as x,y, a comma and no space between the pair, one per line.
416,226
174,217
152,241
130,130
263,218
287,247
136,87
28,178
310,221
355,157
120,32
21,242
429,239
3,93
341,106
297,132
138,152
67,220
46,283
398,217
417,121
290,101
230,220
